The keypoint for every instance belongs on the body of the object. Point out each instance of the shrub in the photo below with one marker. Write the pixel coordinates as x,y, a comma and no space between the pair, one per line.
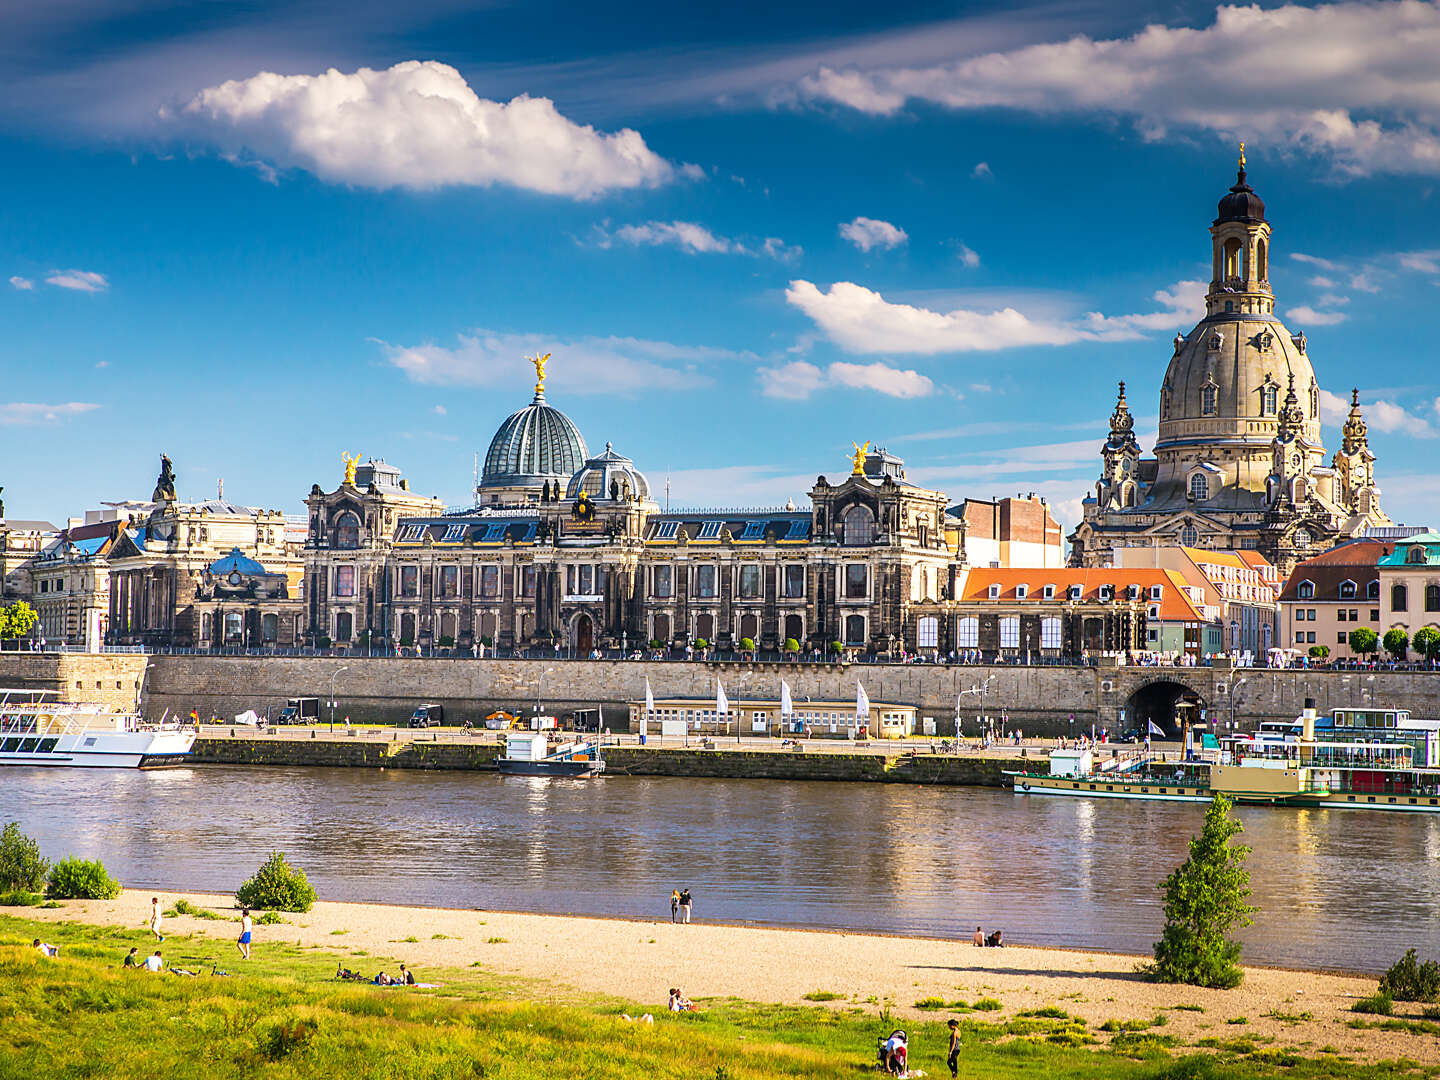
747,644
19,898
821,995
322,642
81,879
656,643
701,643
1204,901
185,907
1410,980
930,1003
277,885
1381,1004
986,1004
1396,642
1319,652
270,918
791,645
22,868
837,647
446,641
406,640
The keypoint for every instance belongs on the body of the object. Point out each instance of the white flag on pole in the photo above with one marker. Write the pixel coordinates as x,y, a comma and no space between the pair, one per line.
649,698
722,703
1156,729
862,702
787,706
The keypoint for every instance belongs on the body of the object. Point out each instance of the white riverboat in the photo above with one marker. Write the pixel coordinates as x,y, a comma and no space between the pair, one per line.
37,728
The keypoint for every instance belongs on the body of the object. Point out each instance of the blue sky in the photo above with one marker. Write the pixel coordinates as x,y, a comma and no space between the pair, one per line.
256,235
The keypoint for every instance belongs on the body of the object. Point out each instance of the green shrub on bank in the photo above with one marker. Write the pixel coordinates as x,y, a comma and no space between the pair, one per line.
1380,1004
22,868
20,898
277,885
81,879
185,907
1410,980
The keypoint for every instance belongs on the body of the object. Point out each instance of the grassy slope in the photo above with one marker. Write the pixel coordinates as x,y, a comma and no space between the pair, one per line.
282,1015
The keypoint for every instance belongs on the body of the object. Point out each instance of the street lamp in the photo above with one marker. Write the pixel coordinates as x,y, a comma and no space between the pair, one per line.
1234,686
333,677
538,684
740,712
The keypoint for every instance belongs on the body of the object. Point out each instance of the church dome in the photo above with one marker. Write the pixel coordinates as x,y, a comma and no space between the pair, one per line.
1241,204
537,444
597,475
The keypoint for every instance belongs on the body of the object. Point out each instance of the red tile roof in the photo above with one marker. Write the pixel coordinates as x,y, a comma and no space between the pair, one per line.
1175,603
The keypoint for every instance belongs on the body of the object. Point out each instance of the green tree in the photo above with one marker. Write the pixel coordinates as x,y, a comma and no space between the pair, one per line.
1205,901
791,645
17,620
1319,652
81,879
837,648
1396,642
1426,642
747,644
22,868
1364,641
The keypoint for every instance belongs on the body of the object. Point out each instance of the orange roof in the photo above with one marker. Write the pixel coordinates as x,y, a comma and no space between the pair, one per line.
1174,601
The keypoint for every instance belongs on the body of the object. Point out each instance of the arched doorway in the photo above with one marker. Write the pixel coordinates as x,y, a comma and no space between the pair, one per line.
583,635
1166,704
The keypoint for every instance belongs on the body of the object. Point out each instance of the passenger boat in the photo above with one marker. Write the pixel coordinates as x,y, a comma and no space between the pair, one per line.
531,754
1368,759
36,728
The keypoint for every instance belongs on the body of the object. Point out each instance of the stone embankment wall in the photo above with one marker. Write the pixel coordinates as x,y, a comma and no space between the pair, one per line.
116,681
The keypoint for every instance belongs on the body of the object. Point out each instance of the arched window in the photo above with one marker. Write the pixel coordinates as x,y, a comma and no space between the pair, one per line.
1399,598
967,633
1302,538
1189,536
1416,555
1207,399
1262,267
1199,487
347,531
1314,401
1307,590
859,525
1232,258
855,629
1268,398
1432,597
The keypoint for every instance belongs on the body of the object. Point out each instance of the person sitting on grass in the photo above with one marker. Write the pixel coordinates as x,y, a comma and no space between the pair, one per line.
407,978
153,962
46,950
679,1002
383,980
132,959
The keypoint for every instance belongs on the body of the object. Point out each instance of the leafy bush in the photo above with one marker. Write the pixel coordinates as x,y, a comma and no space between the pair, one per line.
930,1003
81,879
1396,642
1426,642
821,995
406,640
1205,900
22,868
19,898
277,885
1319,652
986,1004
185,907
269,918
446,641
747,644
322,642
1363,641
656,643
791,645
837,647
701,643
1410,980
1376,1005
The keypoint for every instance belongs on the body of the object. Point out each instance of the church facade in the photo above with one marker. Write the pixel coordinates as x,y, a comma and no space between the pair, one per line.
1238,462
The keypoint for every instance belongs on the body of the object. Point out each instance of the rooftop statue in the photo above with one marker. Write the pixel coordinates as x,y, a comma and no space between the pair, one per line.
857,459
539,362
165,483
350,463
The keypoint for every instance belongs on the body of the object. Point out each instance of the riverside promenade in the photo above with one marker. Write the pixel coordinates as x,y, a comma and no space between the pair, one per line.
897,761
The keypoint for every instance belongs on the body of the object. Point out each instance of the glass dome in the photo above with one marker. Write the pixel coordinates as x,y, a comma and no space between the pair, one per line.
537,444
597,475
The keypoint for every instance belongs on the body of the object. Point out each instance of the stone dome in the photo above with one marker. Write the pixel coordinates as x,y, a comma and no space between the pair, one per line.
596,475
535,445
1241,204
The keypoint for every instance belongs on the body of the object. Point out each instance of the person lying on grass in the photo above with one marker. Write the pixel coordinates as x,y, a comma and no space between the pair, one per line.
45,949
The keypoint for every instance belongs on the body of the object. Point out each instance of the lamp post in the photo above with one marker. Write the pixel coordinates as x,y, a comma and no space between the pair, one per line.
1234,686
740,712
540,682
334,675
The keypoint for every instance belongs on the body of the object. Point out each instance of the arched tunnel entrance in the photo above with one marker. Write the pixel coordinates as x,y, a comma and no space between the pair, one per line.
1166,704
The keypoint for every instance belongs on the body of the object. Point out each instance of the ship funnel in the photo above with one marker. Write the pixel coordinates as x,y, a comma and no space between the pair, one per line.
1307,720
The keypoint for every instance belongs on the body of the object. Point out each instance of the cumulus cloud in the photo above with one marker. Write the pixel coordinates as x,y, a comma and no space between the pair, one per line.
982,171
860,320
1316,260
1423,262
1308,315
1381,415
870,233
1352,81
21,282
778,249
416,125
800,378
691,238
967,255
79,280
24,413
587,365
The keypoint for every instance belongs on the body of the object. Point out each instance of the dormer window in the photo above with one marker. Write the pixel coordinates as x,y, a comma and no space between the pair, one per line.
1199,487
1372,590
1107,592
1074,592
1049,592
994,592
1347,590
1208,394
1306,591
1156,591
1022,591
1132,592
1269,397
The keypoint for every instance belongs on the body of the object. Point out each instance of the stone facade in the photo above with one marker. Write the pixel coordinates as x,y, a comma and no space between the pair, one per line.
1239,462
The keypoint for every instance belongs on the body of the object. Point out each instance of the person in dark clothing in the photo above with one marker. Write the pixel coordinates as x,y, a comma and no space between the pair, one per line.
685,905
952,1058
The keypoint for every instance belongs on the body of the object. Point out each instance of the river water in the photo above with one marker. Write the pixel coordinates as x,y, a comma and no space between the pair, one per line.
1335,889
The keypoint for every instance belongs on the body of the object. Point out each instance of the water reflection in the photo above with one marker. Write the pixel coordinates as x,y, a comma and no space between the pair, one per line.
1335,888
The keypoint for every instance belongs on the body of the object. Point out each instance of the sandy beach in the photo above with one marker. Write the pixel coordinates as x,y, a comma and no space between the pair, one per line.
640,959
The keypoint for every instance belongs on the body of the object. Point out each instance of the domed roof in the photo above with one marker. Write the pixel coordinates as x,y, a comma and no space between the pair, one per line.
536,444
597,474
1241,204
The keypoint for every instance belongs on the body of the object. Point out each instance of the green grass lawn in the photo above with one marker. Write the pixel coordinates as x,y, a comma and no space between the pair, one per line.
283,1015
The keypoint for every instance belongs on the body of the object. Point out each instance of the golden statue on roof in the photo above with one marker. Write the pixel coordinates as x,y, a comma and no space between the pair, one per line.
1242,154
350,463
857,459
539,362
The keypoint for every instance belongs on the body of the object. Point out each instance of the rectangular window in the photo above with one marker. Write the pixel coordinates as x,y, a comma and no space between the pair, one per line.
1354,615
585,580
662,583
1340,615
1310,638
794,574
527,581
665,530
857,581
490,581
1374,614
449,582
705,582
750,588
1339,638
710,530
409,534
799,529
1300,637
345,581
1010,632
927,632
495,532
409,581
1050,633
453,534
754,530
967,633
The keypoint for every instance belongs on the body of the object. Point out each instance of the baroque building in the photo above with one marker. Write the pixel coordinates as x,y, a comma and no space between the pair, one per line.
1239,462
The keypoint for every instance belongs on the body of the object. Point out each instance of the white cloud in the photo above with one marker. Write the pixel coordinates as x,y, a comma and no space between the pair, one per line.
1183,305
79,280
21,282
870,233
1322,282
439,410
1333,408
982,171
691,238
417,125
18,413
588,365
1383,416
1316,260
778,249
99,364
1352,81
1364,283
1332,300
1304,314
800,378
967,255
1424,262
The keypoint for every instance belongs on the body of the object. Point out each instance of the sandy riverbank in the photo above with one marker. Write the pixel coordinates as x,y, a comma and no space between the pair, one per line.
640,959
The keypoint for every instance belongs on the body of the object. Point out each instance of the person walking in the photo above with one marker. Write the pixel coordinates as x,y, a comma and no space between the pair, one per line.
243,942
674,904
155,918
685,901
952,1057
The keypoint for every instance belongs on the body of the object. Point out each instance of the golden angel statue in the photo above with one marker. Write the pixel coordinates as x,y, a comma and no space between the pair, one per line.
539,362
858,458
350,463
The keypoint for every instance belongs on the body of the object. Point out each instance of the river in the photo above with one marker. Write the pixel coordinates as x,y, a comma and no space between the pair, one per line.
1335,889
